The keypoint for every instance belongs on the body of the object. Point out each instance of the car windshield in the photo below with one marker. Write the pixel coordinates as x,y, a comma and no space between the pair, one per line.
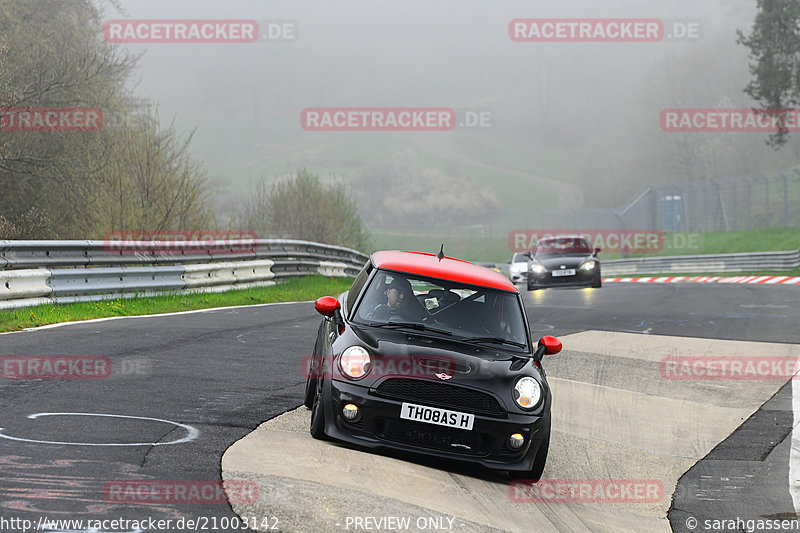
461,312
563,246
519,258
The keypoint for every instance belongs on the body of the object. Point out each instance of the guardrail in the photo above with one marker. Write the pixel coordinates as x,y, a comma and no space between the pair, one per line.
42,272
738,262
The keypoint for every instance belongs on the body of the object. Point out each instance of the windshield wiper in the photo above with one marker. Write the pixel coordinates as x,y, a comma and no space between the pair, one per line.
500,340
412,325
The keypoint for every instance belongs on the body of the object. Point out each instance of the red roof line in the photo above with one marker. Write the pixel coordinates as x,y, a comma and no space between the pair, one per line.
450,268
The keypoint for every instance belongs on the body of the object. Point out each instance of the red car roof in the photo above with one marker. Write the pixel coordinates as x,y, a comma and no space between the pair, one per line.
425,264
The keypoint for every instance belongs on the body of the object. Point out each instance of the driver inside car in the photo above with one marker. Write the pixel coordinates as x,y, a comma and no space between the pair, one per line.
400,302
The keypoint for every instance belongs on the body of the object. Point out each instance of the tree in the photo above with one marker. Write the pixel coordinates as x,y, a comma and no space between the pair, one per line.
149,182
775,53
58,61
80,184
302,207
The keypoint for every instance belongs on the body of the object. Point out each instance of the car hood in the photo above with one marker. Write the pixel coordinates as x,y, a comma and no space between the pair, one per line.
406,354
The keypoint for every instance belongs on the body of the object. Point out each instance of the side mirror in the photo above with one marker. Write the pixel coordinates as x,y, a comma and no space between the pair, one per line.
597,251
327,305
548,345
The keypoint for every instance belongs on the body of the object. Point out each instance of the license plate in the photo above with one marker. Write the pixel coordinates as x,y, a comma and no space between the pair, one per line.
567,272
434,415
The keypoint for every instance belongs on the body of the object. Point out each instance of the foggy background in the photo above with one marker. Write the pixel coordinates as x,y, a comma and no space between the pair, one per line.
573,124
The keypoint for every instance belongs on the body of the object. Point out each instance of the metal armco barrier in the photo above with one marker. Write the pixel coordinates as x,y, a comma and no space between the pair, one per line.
41,272
228,274
739,262
24,283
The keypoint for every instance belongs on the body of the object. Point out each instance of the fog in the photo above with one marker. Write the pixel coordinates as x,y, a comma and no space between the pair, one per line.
571,124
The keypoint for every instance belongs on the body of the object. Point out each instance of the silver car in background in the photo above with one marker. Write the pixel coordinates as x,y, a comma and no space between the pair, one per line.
518,269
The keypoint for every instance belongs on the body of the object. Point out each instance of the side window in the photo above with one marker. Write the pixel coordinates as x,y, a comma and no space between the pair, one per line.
358,284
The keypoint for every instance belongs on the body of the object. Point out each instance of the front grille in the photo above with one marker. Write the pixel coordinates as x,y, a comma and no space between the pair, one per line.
563,279
438,394
579,277
434,437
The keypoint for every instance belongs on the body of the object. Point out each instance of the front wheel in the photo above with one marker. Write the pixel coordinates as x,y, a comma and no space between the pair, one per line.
535,473
311,391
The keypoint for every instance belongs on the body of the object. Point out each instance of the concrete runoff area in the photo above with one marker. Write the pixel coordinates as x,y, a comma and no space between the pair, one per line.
615,417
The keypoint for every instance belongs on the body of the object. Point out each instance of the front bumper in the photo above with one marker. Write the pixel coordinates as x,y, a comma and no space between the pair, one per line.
379,426
518,277
581,278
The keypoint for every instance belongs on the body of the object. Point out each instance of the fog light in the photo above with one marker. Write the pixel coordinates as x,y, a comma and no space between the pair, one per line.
350,411
516,441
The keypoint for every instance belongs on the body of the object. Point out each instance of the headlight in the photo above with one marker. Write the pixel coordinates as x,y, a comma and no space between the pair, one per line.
355,363
538,269
589,265
527,393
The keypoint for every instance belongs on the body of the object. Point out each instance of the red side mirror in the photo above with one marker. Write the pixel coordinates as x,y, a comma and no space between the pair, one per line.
327,305
551,344
597,251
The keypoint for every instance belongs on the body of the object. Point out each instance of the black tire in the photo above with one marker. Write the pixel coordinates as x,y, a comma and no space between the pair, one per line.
535,473
318,414
311,391
597,284
315,368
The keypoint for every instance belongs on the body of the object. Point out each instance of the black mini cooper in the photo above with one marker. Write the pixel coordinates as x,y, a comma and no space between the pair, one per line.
432,355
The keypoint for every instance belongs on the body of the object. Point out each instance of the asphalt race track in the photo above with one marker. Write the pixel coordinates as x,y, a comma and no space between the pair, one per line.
184,388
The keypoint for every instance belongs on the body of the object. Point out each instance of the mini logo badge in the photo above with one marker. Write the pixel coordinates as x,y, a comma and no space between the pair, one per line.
563,266
443,376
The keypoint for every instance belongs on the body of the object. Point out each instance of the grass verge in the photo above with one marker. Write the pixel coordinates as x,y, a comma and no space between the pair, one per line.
295,289
761,240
